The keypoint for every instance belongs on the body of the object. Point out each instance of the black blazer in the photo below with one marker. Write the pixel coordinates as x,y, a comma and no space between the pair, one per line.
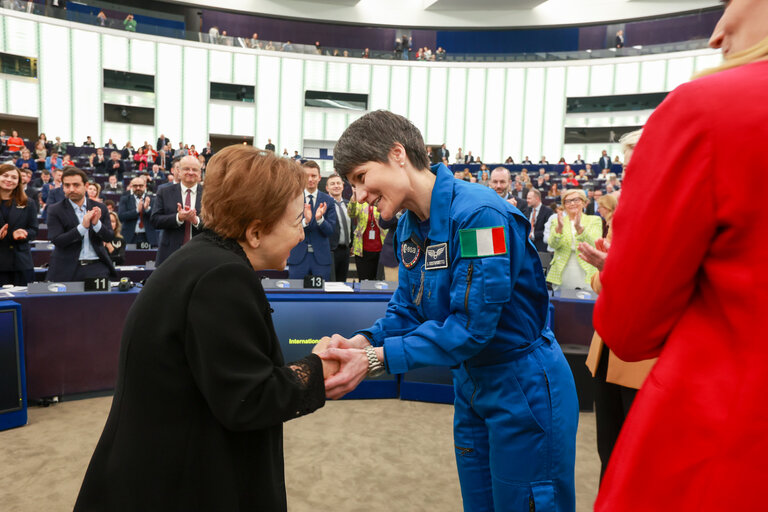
538,228
591,208
101,166
163,217
202,393
129,216
605,162
62,231
16,253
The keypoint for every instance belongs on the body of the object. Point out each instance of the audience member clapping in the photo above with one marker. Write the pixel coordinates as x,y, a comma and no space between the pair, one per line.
18,226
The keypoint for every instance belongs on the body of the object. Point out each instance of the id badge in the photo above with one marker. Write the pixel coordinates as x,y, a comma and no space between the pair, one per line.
372,235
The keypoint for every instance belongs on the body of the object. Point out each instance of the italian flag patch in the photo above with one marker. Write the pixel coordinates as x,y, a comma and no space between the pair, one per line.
476,243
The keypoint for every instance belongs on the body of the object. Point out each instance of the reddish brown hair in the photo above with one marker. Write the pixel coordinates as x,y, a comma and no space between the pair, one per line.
18,193
244,184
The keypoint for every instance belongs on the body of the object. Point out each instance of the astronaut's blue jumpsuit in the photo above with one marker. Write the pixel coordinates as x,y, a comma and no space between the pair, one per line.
481,308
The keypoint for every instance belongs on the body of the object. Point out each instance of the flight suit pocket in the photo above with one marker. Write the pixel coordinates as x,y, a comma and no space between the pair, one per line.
497,287
542,496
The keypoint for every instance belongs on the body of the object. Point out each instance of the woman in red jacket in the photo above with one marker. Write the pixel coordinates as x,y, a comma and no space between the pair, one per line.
683,281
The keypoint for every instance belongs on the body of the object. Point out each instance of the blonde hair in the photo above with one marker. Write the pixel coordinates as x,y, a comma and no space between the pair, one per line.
574,191
754,54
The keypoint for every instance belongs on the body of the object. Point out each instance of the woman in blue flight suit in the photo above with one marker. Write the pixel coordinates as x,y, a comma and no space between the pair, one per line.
471,296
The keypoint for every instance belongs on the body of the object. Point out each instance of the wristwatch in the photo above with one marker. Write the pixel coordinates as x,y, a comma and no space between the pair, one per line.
375,367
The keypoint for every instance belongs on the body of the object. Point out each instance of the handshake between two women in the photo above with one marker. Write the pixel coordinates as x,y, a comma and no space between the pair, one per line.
345,362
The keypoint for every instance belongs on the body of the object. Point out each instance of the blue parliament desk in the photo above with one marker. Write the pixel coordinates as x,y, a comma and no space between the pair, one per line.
73,339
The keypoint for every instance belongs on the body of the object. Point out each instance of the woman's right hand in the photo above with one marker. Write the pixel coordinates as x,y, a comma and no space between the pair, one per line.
559,228
3,231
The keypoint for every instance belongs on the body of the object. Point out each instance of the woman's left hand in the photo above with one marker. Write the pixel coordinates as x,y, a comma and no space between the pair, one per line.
20,234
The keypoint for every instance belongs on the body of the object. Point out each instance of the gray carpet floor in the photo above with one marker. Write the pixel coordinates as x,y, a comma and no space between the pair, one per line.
356,455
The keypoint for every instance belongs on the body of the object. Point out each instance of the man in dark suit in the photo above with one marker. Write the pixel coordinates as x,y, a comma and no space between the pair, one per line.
469,159
579,160
538,214
156,177
500,182
116,166
76,229
312,256
32,193
176,209
270,146
444,153
341,240
99,162
162,140
605,161
520,196
134,212
592,197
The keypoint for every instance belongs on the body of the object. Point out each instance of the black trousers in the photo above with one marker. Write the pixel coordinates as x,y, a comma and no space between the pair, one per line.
367,265
612,403
340,263
97,269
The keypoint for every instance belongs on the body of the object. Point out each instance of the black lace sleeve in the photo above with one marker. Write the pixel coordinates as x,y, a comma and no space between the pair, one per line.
308,373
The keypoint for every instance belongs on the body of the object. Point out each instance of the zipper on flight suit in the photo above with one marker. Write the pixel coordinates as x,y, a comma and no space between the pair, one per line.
417,301
470,271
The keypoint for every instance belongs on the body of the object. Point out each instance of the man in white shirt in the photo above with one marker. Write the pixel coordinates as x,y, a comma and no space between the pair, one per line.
177,207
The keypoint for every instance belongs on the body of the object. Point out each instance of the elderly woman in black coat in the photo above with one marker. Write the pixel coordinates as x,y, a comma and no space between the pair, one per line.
203,391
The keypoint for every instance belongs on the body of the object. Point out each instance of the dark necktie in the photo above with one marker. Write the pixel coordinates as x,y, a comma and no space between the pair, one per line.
187,224
311,202
141,216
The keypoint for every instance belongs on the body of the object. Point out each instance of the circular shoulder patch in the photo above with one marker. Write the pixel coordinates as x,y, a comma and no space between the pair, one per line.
410,252
116,243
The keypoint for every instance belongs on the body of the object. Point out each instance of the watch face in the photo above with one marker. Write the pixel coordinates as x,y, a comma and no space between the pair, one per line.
376,371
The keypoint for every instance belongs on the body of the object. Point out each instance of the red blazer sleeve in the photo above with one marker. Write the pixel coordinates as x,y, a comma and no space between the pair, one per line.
662,228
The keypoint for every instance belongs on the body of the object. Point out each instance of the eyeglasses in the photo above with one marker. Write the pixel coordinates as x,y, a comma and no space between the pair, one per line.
572,201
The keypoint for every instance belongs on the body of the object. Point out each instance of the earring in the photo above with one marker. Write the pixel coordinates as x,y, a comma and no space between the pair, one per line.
402,164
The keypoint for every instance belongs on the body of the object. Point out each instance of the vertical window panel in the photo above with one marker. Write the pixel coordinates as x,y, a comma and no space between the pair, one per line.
457,97
22,99
195,97
168,92
142,133
652,76
267,100
21,36
601,80
291,104
220,119
513,115
436,96
86,93
338,76
417,99
244,69
243,120
313,124
359,78
335,124
493,147
379,98
679,71
534,113
578,81
142,57
314,78
554,114
114,52
221,67
119,134
708,61
398,94
474,124
55,82
627,78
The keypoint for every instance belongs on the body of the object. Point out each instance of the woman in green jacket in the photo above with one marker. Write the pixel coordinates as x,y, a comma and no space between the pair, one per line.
567,231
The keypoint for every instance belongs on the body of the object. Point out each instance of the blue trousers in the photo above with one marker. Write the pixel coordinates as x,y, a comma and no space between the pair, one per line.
515,433
309,266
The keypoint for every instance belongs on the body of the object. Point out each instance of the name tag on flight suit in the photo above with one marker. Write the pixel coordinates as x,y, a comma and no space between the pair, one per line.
437,257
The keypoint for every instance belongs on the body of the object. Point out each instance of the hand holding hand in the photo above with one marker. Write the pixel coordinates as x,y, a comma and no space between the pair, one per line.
593,256
322,345
19,234
357,341
320,211
3,231
353,369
